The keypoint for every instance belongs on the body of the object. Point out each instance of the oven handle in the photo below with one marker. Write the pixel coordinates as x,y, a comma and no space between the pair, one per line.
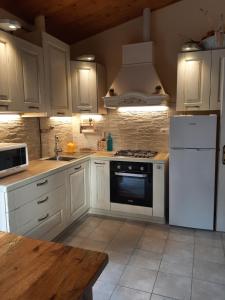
131,175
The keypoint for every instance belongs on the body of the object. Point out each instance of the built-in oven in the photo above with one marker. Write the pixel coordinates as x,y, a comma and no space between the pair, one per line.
131,183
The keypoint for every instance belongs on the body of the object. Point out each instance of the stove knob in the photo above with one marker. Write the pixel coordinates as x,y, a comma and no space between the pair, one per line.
129,168
118,167
142,168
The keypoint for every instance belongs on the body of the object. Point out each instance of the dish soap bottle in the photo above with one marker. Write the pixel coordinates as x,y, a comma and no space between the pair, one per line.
109,142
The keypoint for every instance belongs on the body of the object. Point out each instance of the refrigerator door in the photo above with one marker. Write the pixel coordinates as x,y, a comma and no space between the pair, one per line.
192,180
193,131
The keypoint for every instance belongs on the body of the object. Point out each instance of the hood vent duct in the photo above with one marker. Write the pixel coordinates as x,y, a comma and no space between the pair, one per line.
137,83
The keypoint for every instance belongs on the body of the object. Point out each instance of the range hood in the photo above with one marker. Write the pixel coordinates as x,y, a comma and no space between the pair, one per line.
137,83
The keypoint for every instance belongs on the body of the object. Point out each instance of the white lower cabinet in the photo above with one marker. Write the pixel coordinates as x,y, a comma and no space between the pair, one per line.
100,183
78,191
159,187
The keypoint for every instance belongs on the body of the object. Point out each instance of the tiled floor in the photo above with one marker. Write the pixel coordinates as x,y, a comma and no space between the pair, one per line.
150,261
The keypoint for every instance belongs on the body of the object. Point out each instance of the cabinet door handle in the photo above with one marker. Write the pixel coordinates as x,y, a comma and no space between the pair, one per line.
194,106
42,201
99,163
33,107
6,106
60,113
43,218
78,168
4,97
42,183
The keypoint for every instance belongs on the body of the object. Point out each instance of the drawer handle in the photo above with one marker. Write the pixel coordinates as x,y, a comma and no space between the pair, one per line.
33,107
99,163
78,168
4,97
42,201
60,113
44,218
42,183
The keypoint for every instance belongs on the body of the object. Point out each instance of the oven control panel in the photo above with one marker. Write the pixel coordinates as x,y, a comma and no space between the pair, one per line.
126,166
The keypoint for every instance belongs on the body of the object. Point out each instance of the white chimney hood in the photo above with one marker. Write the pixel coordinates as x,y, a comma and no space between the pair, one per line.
137,83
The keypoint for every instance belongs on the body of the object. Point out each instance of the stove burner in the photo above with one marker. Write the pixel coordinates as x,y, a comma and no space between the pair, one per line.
136,153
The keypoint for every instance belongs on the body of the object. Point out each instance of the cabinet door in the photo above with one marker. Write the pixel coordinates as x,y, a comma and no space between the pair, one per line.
10,90
84,87
32,79
77,187
57,71
159,190
100,185
193,81
217,78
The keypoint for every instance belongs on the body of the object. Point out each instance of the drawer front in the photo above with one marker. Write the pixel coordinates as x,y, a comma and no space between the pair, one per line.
37,211
50,228
36,189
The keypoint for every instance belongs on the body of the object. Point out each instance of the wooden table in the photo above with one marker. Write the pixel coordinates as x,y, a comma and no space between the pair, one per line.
41,270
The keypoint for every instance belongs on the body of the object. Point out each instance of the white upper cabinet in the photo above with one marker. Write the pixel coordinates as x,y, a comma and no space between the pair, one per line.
217,78
57,73
193,81
11,93
32,76
88,87
198,80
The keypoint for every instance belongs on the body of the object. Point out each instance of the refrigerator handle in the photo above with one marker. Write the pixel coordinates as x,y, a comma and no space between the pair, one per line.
223,155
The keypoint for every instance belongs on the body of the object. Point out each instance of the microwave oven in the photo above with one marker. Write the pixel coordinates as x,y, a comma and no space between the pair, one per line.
13,158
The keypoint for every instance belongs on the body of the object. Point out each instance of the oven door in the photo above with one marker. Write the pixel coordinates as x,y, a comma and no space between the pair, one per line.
131,188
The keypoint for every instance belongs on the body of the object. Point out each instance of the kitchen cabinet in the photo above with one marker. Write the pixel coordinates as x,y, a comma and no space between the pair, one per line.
37,209
88,87
198,80
57,75
32,76
11,93
78,190
100,182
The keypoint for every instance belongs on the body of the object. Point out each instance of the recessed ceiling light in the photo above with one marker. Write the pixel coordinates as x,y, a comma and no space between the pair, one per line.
9,25
86,57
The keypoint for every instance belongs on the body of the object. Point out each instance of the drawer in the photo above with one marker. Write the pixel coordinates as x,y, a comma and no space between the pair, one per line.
50,228
37,211
36,189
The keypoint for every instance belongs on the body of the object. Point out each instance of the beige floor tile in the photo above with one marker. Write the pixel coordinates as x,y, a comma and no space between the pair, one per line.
94,221
152,232
112,273
102,234
180,236
121,245
84,230
209,271
152,244
170,285
179,249
138,278
202,290
210,254
74,241
177,267
123,293
93,245
205,234
157,297
145,259
103,290
111,224
209,242
118,257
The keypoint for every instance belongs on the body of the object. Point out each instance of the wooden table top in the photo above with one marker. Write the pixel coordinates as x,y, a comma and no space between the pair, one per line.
41,270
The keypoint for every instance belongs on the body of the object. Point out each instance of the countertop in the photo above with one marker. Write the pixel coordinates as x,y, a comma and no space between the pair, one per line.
46,270
37,169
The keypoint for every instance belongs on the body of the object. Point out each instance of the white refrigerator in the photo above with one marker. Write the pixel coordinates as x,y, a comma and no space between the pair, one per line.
192,171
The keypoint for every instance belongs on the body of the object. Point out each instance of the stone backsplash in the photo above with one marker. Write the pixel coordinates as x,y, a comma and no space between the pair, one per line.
14,129
130,130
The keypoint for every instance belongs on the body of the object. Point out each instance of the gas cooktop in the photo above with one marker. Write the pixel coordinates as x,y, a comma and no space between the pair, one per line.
136,153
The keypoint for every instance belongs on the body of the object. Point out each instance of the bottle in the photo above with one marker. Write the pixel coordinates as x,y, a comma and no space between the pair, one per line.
109,142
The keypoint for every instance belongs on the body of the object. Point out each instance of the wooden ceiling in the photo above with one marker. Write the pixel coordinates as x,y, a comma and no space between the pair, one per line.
74,20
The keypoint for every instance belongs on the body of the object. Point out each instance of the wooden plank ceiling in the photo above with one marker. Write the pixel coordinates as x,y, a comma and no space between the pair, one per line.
74,20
